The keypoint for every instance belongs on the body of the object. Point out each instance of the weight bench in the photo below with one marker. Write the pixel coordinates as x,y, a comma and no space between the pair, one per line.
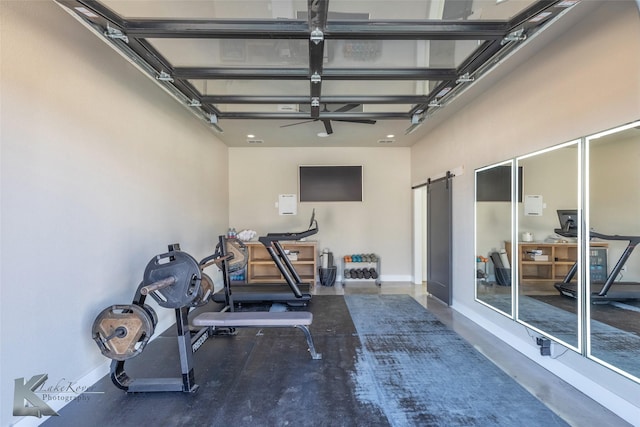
260,319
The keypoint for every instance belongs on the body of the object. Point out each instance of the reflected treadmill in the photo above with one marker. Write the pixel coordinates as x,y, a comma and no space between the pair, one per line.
293,293
600,292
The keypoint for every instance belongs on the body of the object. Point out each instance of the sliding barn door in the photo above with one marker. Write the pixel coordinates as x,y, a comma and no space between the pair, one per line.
439,238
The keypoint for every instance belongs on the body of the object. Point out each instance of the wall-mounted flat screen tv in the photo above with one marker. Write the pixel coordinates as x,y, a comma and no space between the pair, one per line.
330,183
494,185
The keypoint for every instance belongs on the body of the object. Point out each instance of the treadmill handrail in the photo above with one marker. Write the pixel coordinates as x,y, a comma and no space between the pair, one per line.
271,242
593,234
634,239
611,277
272,237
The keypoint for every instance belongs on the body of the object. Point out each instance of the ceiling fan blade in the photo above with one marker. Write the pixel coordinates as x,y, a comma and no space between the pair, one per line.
346,107
298,123
363,121
327,127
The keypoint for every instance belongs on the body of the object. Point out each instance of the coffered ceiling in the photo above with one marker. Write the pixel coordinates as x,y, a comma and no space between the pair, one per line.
316,72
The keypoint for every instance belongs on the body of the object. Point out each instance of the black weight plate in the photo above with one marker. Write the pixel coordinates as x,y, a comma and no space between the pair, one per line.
152,313
187,273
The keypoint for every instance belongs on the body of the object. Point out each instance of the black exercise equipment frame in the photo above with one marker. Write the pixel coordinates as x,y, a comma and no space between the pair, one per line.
271,242
566,288
188,343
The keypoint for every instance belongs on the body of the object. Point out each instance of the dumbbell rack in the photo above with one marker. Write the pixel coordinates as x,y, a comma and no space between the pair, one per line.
348,265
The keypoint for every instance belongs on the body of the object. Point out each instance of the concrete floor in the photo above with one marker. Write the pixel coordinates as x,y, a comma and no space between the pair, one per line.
573,406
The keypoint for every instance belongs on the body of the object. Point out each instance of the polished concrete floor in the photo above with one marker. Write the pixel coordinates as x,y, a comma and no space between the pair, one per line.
574,407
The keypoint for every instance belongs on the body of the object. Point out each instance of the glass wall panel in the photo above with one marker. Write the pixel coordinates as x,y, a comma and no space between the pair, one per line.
251,87
247,53
550,183
614,223
288,9
448,10
398,53
493,214
208,9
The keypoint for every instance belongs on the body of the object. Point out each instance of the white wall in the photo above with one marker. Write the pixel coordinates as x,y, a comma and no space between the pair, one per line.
380,224
100,171
570,88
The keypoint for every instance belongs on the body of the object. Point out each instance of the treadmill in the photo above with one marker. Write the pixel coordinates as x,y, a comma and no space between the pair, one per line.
600,292
293,293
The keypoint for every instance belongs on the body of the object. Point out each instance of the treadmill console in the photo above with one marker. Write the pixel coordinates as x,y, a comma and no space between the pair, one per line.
568,222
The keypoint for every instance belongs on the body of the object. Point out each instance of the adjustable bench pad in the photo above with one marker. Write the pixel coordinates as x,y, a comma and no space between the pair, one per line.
261,319
254,318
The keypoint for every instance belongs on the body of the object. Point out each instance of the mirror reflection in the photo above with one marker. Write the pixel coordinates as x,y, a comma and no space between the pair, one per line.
545,258
614,212
544,254
493,229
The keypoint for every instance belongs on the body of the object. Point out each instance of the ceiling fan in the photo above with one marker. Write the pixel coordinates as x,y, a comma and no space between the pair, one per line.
327,122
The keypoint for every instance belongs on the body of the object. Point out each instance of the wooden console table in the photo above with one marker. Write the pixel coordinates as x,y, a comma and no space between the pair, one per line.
262,269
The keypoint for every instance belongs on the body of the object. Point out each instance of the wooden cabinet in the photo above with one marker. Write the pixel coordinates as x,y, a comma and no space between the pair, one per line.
550,262
262,269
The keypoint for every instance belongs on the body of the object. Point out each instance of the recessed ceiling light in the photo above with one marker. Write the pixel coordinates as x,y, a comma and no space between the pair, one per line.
391,136
323,134
251,136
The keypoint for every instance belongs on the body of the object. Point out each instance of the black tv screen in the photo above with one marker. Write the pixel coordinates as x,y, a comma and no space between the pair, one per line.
494,185
330,183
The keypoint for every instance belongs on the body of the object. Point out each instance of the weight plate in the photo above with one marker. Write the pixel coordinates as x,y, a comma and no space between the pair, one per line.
152,313
205,292
122,331
187,273
240,255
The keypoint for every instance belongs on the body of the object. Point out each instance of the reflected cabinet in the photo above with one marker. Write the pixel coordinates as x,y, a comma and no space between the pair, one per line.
550,262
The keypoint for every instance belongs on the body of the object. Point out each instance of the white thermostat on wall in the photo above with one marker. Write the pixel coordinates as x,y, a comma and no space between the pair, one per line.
287,204
533,205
